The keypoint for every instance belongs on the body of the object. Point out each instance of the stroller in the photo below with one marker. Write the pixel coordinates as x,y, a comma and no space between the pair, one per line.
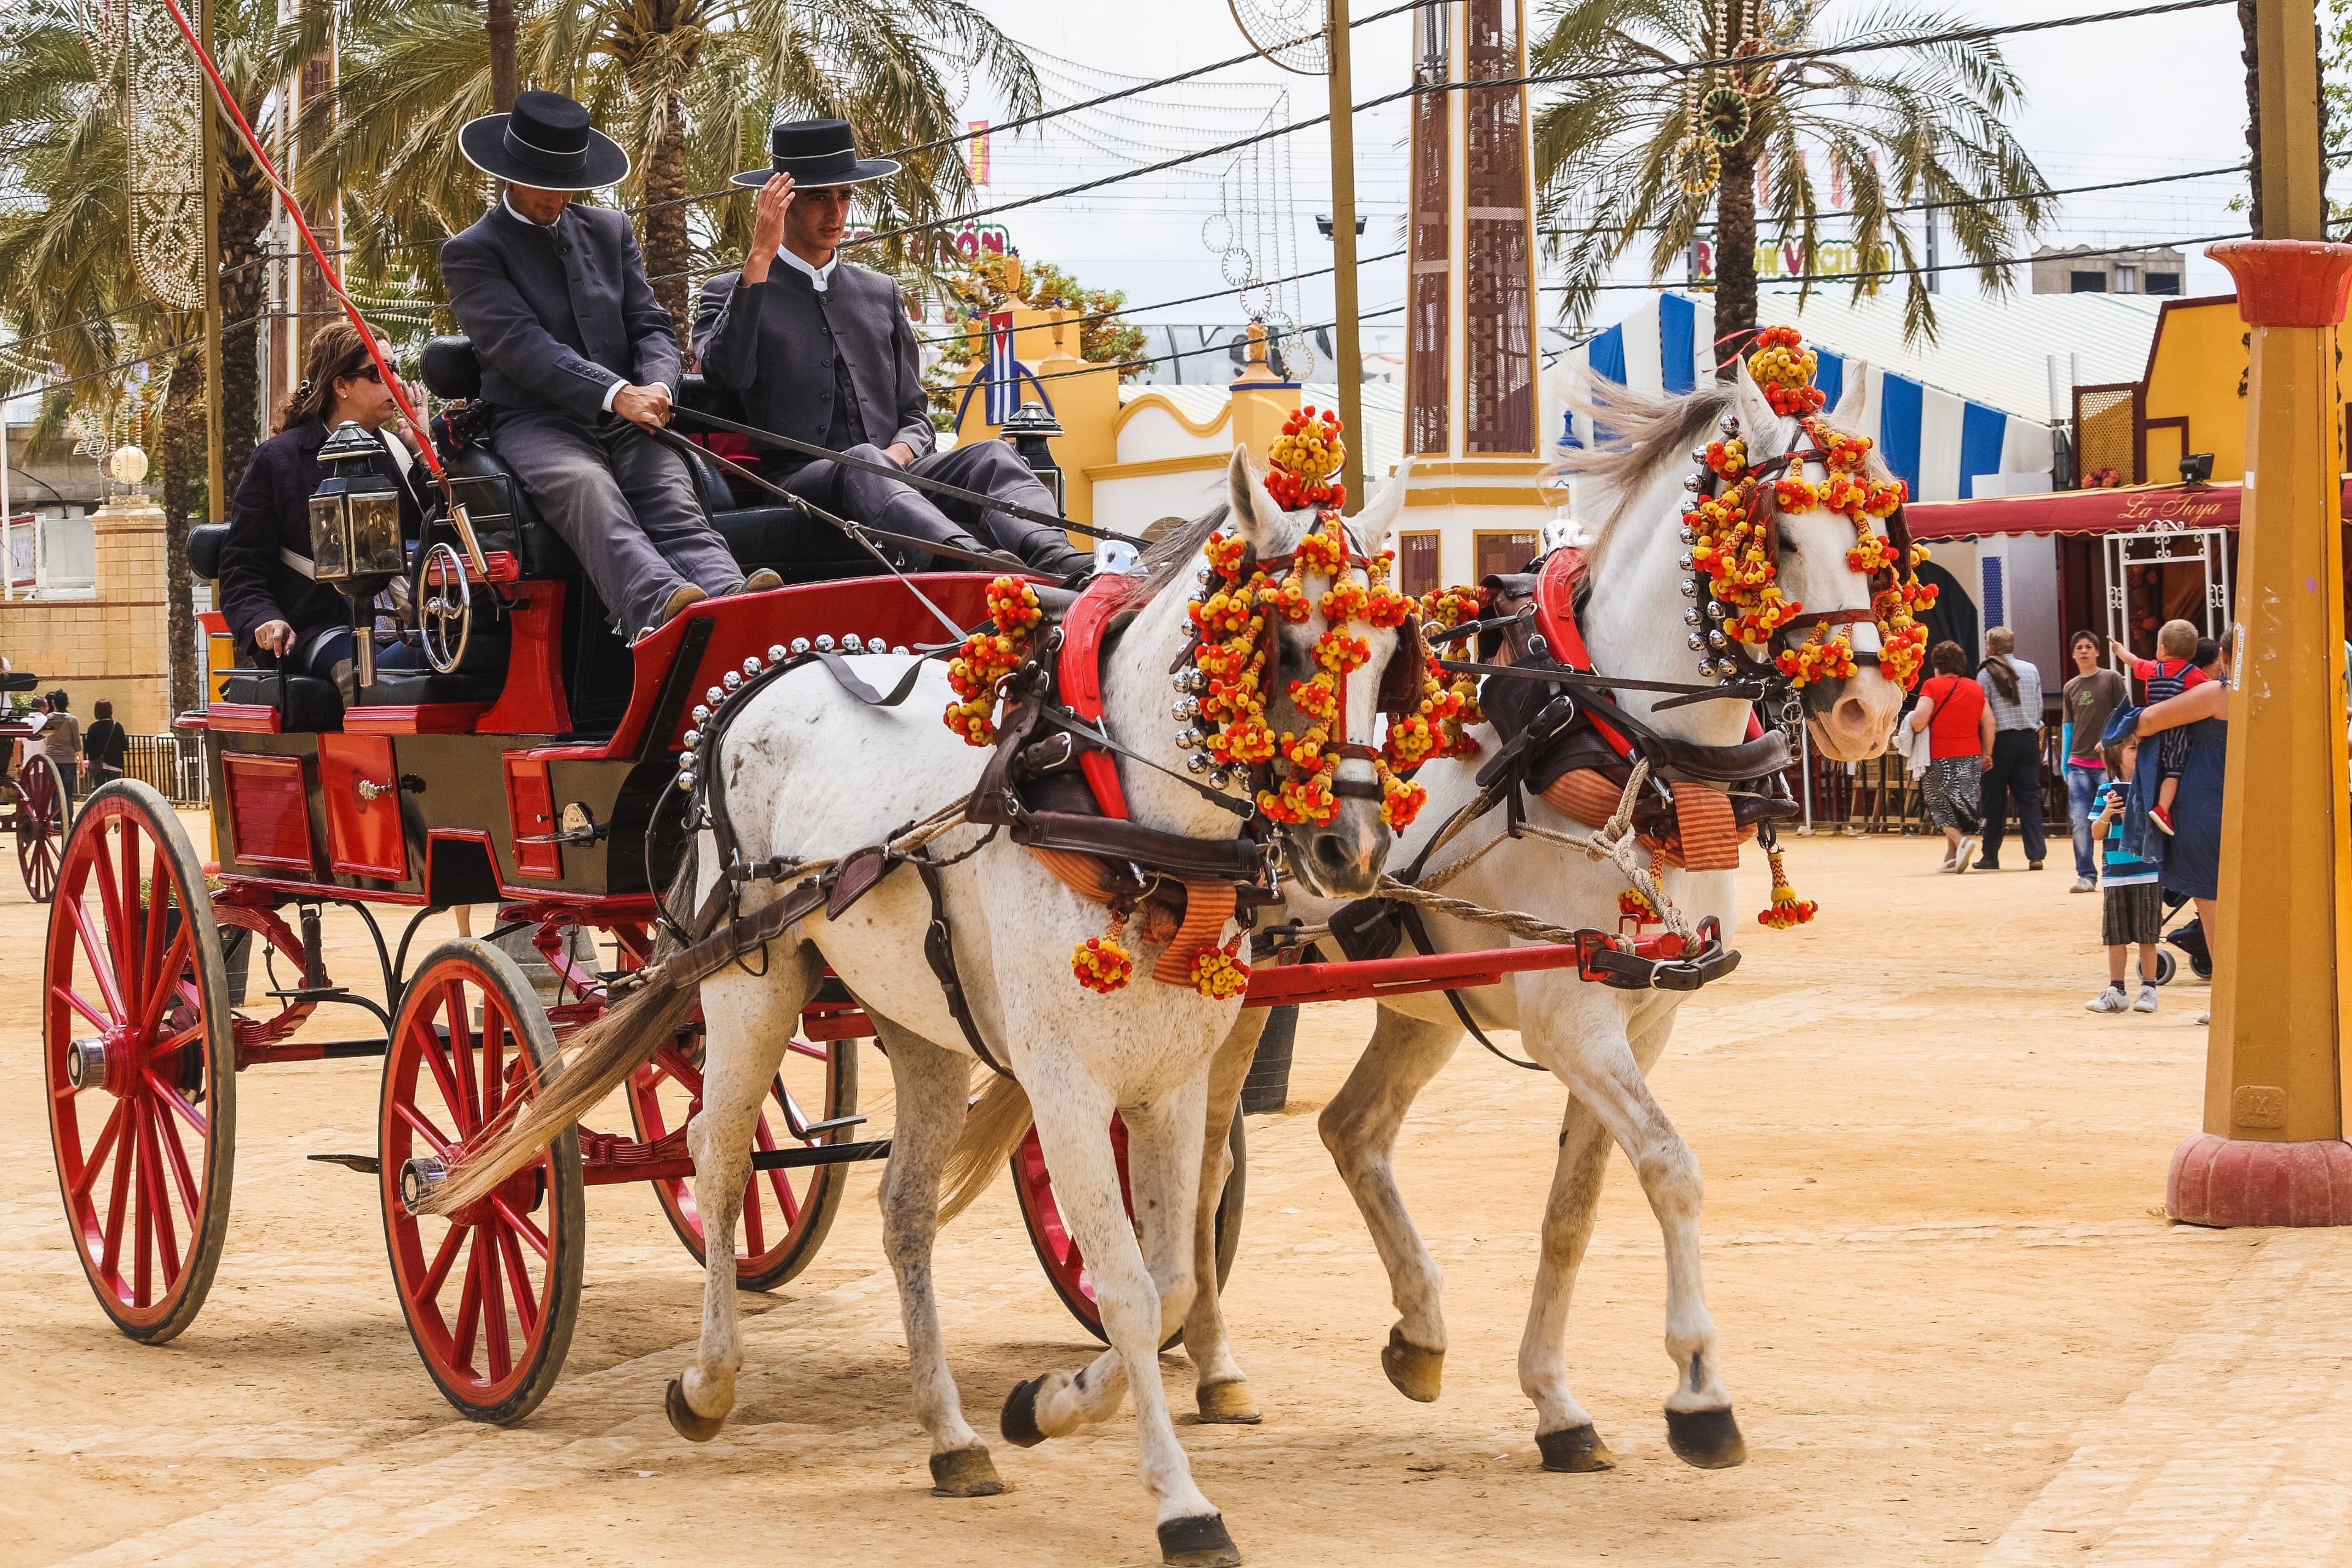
2190,938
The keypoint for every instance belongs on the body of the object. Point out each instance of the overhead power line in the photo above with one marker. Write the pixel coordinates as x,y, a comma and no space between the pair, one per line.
1944,267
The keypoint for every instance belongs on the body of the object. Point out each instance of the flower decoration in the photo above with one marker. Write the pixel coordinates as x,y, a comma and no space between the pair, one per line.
1218,974
1303,460
1102,963
1783,367
1786,909
978,672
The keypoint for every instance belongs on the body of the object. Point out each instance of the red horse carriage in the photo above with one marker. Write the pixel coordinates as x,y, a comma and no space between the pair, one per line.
32,799
528,769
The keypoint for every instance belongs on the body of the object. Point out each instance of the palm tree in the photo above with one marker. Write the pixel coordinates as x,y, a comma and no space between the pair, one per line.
687,86
1643,158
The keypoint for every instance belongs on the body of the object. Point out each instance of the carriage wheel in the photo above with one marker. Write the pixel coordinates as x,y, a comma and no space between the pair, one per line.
265,1019
140,1061
1057,1249
40,827
489,1292
786,1213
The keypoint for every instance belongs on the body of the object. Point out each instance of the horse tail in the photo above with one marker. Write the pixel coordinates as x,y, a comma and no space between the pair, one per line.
992,1129
593,1062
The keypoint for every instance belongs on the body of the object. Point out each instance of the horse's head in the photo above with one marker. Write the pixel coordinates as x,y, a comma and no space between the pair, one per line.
1851,718
1340,857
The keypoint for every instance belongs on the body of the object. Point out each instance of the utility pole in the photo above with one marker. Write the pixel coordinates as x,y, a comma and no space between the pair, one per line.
1345,333
2273,1151
215,480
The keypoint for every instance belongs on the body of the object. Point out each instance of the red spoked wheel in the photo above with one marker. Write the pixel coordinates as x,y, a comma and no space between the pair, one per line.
264,1019
1057,1249
140,1061
489,1292
787,1213
40,827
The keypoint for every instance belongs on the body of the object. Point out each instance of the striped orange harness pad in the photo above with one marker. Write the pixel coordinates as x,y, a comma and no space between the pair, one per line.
1207,906
1706,837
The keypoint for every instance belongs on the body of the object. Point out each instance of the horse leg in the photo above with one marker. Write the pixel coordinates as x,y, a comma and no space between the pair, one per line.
931,1083
1220,1390
1074,1128
750,1021
1606,1072
1159,1169
1360,1127
1564,1433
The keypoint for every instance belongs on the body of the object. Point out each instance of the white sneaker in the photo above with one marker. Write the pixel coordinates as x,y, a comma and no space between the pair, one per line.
2147,1001
2111,1000
2084,884
1960,861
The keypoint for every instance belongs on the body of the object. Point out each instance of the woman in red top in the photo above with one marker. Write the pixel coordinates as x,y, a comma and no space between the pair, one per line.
1958,726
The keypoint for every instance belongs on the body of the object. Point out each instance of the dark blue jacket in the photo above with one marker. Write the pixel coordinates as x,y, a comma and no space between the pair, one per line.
272,513
558,315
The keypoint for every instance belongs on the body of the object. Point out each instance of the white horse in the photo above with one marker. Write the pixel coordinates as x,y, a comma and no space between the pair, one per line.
1599,1041
812,772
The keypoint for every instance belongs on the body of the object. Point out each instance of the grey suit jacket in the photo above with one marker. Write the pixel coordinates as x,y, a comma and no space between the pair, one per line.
558,315
773,344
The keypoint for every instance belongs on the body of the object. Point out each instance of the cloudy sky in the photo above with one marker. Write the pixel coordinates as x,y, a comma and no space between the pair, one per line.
2109,101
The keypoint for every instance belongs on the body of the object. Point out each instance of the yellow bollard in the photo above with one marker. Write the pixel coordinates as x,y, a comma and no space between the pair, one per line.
2272,1150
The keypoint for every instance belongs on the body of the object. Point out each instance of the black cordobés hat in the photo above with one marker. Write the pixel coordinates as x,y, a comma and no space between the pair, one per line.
546,143
817,153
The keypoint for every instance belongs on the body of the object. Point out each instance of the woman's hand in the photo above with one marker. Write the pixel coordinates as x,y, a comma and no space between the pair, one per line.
2207,699
274,637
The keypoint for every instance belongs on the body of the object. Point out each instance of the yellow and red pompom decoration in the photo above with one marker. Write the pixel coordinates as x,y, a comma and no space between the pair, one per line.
1823,657
1783,368
1218,974
1400,799
1102,963
1787,910
986,657
1304,458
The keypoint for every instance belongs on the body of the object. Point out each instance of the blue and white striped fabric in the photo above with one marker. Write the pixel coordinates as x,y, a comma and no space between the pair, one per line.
1937,441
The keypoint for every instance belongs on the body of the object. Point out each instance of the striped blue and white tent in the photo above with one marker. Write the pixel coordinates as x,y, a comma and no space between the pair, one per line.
1939,440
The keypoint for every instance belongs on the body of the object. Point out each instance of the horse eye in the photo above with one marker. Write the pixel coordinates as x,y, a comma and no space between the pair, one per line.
1789,544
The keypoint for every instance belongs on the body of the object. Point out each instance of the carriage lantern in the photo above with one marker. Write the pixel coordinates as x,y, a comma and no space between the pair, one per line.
1028,429
355,543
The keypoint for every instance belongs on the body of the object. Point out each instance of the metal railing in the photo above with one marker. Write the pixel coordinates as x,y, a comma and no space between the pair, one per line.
175,770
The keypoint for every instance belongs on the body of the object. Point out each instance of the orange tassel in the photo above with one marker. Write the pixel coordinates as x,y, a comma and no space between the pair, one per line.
1787,910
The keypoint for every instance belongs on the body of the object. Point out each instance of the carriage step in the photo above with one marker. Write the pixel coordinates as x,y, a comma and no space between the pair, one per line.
818,1128
365,1164
821,1154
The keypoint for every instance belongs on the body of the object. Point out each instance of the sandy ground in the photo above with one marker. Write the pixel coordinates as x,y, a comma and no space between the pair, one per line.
1956,1325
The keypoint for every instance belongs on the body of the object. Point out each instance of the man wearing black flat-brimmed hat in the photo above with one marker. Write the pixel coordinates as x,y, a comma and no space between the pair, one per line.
821,349
580,362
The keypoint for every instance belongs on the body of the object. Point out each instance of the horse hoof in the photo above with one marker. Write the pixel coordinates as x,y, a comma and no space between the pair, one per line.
1415,1371
1197,1543
1228,1403
964,1472
1019,1422
694,1428
1708,1440
1575,1451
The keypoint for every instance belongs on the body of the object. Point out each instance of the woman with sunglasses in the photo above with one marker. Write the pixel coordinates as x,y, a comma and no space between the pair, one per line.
273,607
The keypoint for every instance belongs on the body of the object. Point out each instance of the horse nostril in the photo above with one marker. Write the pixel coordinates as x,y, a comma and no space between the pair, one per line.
1850,713
1331,857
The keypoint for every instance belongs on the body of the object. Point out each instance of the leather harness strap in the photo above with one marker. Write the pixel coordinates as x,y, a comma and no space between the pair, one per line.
939,950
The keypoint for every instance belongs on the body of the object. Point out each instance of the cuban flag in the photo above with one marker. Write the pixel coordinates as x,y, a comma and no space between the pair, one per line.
1003,373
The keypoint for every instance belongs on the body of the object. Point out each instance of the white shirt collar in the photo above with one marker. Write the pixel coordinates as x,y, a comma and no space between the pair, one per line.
821,278
520,218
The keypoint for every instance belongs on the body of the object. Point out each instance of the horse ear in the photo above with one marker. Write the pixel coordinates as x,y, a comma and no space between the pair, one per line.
1373,523
1847,414
1748,400
1253,514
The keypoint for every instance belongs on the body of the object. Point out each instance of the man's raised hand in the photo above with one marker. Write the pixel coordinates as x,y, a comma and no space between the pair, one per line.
768,226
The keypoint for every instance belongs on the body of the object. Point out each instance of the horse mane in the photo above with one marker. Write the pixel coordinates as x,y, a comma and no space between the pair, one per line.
1646,433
